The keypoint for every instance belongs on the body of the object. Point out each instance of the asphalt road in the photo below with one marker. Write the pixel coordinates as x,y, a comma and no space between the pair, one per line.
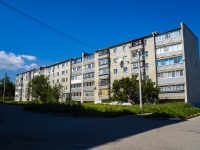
33,131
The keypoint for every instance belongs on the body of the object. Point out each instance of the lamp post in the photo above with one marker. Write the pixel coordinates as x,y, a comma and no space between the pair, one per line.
140,84
4,86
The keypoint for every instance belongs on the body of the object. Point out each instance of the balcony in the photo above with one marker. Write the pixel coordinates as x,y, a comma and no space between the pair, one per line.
76,81
76,89
169,40
77,64
104,66
106,86
172,96
136,71
135,48
88,98
169,54
88,61
88,70
88,79
105,76
103,56
77,72
76,98
104,97
135,59
170,81
170,67
89,88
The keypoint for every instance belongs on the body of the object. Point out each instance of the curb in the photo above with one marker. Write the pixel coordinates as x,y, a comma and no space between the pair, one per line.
189,117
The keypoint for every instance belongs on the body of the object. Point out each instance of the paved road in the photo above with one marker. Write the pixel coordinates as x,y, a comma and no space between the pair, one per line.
30,131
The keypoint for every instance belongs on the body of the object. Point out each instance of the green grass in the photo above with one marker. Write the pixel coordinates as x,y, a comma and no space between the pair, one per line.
168,110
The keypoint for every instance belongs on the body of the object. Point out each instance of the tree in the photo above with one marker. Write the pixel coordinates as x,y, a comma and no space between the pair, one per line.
127,89
9,87
40,89
149,91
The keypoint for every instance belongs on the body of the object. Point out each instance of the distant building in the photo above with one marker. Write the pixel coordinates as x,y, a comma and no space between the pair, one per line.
171,59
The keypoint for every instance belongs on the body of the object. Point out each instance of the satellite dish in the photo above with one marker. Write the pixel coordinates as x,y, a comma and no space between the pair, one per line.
122,64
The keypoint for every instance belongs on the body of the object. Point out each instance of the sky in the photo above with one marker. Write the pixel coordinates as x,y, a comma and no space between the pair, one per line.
26,44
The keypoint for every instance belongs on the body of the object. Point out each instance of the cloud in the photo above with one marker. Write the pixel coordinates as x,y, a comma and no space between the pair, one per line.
31,66
29,57
11,61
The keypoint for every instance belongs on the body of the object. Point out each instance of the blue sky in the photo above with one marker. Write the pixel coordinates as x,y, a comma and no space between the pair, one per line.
25,44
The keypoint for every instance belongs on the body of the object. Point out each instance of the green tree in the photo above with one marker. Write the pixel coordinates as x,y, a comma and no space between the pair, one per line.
54,93
127,90
40,89
149,91
9,88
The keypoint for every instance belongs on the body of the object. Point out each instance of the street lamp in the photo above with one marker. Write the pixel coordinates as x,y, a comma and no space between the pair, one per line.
4,86
140,84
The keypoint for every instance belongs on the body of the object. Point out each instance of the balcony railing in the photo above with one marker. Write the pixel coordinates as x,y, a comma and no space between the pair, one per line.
88,70
77,72
90,88
135,59
170,67
88,79
168,54
169,40
105,76
76,98
88,98
104,66
88,61
103,56
77,64
135,48
76,89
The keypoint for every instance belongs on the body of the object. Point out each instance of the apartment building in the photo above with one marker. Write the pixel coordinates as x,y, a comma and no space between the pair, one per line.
170,59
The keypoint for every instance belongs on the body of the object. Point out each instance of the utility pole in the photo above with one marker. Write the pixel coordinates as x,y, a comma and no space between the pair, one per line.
4,86
140,84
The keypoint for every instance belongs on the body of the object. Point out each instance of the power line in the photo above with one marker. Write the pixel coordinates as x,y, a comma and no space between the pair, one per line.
156,4
53,29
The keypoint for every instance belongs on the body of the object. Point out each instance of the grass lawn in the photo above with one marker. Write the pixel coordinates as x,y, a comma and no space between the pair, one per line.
168,110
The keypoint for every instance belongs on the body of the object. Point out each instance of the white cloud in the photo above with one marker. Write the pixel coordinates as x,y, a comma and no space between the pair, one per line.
31,66
11,61
29,57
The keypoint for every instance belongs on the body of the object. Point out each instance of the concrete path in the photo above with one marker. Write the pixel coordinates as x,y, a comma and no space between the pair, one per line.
33,131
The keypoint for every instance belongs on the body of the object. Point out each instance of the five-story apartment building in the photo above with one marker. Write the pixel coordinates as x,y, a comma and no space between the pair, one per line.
170,59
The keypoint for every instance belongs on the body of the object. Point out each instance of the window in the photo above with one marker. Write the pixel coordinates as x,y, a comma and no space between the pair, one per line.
147,66
125,69
66,79
103,82
104,71
115,71
115,60
181,73
78,85
125,58
57,73
145,42
124,47
103,61
86,84
53,81
66,71
63,79
88,75
63,72
173,73
115,50
180,60
88,94
104,52
63,65
103,92
57,80
146,54
158,75
58,67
